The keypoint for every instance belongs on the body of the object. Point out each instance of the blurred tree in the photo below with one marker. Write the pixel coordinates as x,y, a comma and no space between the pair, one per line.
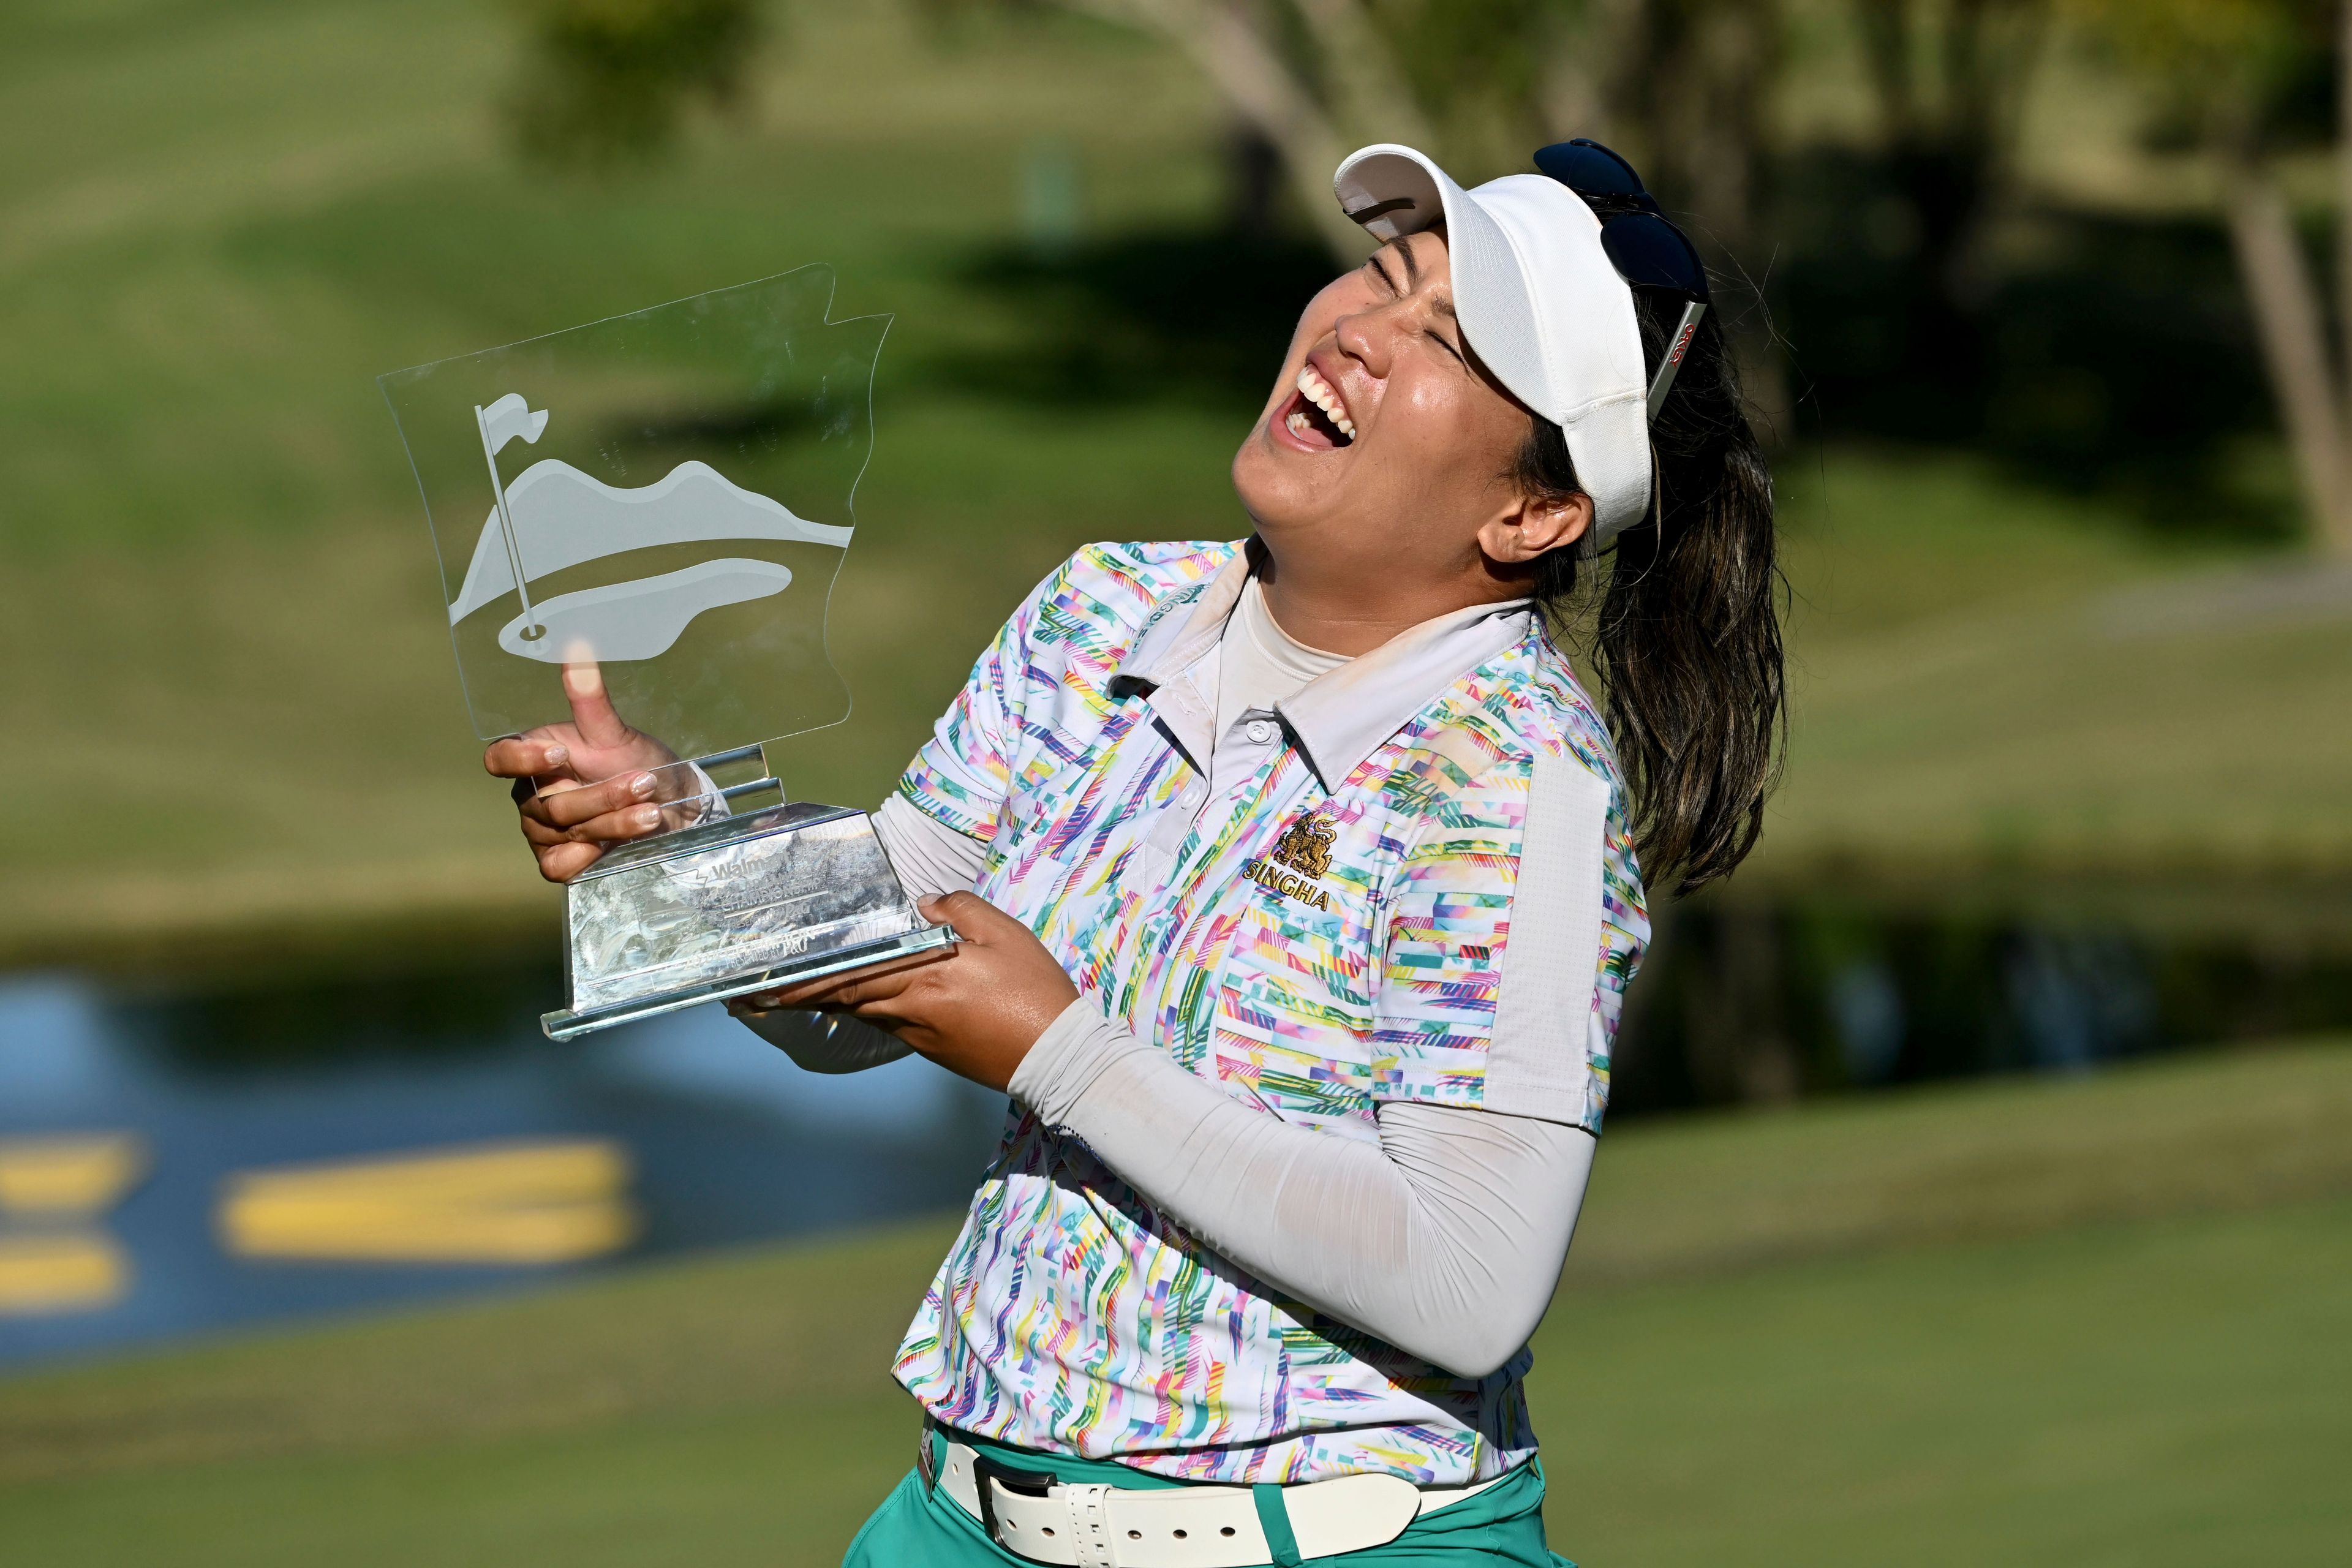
1948,78
1683,88
2249,81
1250,53
604,81
1480,83
1681,84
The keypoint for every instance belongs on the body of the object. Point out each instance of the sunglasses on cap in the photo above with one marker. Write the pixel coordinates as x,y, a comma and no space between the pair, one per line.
1648,251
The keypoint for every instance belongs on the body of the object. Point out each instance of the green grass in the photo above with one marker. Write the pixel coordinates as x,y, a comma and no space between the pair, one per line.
2088,1321
231,706
1986,674
215,565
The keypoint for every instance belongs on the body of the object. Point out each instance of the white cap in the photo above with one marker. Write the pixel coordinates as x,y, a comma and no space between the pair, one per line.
1540,301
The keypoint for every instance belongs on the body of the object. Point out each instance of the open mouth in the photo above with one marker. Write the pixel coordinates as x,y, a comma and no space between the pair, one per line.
1315,417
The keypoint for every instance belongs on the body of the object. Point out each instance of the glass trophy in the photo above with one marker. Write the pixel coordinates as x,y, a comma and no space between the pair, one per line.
655,507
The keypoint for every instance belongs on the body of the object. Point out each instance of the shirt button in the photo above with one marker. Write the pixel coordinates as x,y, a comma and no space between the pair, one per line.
1260,731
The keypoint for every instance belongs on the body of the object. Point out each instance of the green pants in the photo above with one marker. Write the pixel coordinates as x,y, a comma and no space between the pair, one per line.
916,1528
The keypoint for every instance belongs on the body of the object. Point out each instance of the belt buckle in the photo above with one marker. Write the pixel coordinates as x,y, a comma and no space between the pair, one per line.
1039,1484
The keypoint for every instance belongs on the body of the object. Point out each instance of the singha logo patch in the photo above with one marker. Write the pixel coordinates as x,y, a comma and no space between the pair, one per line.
1306,846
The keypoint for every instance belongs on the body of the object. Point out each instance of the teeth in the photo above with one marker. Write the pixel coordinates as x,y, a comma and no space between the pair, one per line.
1317,391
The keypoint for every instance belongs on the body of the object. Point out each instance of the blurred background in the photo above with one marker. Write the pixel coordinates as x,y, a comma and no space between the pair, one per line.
1979,1178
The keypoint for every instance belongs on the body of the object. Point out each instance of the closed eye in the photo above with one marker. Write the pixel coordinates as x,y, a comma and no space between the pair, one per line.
1444,304
1376,266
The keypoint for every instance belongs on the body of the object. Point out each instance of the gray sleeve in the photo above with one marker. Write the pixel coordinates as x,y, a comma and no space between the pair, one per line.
1444,1238
931,858
1536,1064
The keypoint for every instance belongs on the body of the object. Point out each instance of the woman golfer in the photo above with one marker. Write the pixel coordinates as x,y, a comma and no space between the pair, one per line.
1297,878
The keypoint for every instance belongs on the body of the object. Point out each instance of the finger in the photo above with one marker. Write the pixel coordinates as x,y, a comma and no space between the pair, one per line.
521,757
615,827
846,992
567,806
770,1001
631,822
973,917
566,861
591,710
828,991
760,1001
542,837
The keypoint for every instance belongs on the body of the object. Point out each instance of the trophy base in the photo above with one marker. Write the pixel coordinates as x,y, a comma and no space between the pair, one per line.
729,908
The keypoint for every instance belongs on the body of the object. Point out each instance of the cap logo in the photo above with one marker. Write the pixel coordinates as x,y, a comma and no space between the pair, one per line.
1682,344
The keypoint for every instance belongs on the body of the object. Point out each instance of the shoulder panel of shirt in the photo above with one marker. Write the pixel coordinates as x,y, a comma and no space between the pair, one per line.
1513,801
1083,617
1049,666
1540,1057
1524,702
1119,585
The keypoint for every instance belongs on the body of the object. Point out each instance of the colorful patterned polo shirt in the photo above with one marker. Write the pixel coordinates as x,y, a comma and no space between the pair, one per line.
1412,881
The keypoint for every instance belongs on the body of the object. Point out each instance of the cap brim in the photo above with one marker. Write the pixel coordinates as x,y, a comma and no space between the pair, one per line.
1394,191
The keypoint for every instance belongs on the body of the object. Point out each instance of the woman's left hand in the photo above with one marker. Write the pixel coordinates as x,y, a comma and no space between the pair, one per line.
975,1010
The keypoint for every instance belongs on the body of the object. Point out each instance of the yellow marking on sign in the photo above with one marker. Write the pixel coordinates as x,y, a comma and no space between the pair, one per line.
61,1272
78,1174
530,1203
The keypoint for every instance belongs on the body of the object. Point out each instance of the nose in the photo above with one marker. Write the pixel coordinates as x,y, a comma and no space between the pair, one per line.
1369,337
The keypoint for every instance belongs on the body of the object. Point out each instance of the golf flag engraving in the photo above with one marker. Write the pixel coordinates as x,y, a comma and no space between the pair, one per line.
500,423
511,417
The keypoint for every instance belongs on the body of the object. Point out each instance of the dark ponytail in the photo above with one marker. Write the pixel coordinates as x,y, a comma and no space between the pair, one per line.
1687,638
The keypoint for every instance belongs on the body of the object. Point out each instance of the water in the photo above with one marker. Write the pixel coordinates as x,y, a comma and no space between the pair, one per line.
1824,994
725,1140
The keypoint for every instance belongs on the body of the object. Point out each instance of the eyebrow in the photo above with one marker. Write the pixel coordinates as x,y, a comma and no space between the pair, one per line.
1412,268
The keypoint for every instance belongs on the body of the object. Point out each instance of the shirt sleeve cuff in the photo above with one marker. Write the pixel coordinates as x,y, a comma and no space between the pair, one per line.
847,1045
1074,1051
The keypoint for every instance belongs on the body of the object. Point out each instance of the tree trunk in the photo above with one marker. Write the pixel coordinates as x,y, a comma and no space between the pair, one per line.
1375,97
1253,181
1687,82
1734,51
2343,215
1951,83
2288,320
1587,86
1736,1019
1250,73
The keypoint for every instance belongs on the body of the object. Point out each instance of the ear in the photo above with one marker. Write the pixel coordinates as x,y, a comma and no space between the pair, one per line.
1531,528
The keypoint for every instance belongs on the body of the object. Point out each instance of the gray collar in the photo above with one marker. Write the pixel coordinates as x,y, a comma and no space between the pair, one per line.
1339,718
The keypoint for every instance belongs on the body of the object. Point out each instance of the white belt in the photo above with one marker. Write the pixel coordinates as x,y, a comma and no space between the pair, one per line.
1178,1527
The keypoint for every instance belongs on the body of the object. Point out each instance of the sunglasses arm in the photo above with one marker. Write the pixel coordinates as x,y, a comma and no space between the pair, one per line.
1671,366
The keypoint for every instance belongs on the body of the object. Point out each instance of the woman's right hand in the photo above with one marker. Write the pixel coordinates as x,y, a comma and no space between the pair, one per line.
583,786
